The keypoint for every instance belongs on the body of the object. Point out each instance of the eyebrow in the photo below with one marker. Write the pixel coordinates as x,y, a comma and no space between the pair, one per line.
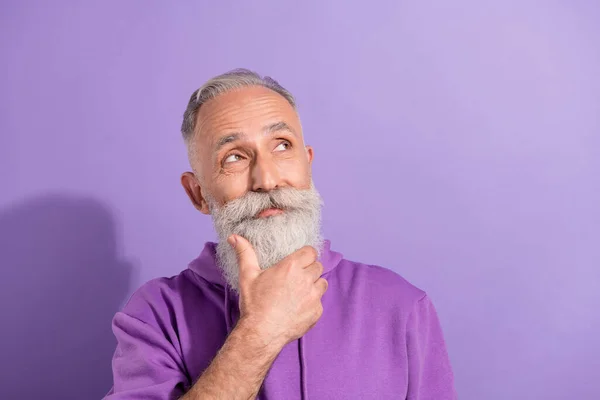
277,127
268,130
228,139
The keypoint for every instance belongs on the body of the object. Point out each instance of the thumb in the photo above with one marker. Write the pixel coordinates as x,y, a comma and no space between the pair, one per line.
247,260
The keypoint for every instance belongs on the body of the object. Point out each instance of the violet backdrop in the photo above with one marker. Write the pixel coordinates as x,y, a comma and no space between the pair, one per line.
457,143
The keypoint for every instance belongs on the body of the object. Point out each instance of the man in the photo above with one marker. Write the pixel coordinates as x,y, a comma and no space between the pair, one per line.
270,311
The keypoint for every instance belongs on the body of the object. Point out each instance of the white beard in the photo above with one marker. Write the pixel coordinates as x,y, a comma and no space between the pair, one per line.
273,238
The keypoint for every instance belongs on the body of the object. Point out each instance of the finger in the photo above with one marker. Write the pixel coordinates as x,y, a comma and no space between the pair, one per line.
303,257
322,285
314,270
247,260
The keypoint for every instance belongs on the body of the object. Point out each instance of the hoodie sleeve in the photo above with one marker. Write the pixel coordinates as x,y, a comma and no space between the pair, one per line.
145,364
430,375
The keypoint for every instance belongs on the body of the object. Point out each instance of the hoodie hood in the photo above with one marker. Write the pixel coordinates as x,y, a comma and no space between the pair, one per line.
206,267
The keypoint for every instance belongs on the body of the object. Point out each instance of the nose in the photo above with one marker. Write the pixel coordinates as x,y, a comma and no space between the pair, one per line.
265,176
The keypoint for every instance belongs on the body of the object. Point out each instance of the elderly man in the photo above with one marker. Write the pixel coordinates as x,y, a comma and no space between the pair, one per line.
270,311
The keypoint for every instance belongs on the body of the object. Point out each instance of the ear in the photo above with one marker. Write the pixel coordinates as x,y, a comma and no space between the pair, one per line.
194,192
310,153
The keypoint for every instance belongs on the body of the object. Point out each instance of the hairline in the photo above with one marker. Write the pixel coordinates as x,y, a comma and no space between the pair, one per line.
230,81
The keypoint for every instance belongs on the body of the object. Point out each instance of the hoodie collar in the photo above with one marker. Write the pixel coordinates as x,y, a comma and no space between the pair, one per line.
206,263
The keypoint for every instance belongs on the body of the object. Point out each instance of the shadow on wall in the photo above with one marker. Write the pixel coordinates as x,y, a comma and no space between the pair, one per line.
62,281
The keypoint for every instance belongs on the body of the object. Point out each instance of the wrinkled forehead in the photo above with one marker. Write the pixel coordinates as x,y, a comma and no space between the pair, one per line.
247,111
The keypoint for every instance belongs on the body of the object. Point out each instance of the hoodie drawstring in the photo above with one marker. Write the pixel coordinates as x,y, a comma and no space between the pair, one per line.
303,386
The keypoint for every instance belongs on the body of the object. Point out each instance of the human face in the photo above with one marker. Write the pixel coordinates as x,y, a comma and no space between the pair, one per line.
248,139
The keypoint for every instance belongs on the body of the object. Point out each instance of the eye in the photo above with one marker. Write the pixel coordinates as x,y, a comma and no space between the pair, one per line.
232,158
285,145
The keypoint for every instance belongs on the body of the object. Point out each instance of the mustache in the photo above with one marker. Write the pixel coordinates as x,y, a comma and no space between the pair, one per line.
252,203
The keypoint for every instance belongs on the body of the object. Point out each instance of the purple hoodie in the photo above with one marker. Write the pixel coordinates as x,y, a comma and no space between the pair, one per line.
379,338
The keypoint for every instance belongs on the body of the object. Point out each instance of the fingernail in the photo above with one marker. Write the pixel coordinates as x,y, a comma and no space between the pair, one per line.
232,241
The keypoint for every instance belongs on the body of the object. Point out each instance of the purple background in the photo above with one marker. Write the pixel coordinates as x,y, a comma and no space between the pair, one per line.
456,143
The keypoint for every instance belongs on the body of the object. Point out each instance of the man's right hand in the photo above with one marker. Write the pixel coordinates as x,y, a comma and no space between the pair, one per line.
283,302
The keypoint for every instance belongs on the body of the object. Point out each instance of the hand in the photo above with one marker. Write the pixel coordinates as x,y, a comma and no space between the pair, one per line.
283,302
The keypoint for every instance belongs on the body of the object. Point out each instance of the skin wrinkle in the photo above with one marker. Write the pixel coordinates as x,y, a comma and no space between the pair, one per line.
249,155
246,110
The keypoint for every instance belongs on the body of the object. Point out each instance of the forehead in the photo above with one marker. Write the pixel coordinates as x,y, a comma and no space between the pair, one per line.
245,110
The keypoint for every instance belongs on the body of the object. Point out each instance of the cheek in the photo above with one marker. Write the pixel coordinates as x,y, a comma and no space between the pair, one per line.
296,171
230,188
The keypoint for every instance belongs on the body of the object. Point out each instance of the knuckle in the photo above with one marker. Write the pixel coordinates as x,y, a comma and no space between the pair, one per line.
320,267
319,310
325,284
241,250
309,251
286,266
316,293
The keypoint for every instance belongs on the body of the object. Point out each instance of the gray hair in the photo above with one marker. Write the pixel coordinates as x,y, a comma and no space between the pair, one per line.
235,79
272,238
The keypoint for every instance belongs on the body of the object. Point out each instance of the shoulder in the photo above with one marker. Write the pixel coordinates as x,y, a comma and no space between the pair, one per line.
380,285
164,297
